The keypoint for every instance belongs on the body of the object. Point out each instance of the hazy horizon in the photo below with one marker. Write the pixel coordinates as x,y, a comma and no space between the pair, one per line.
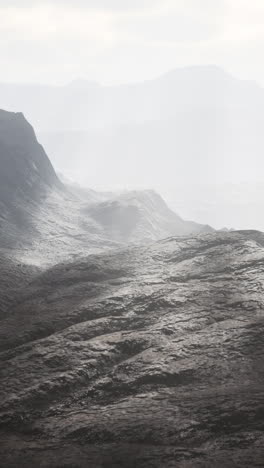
86,80
100,136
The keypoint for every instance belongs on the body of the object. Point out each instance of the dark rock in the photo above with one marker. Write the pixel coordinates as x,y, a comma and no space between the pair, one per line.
147,357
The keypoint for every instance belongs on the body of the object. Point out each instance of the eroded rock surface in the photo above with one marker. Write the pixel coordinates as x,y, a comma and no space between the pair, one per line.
147,357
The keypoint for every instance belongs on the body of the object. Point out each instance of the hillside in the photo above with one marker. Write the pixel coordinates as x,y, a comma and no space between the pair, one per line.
142,357
140,216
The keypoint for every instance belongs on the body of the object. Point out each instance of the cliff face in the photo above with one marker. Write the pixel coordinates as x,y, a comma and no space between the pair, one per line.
26,176
25,168
151,356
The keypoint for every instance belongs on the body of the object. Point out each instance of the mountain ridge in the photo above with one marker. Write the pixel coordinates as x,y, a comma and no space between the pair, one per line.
39,211
191,125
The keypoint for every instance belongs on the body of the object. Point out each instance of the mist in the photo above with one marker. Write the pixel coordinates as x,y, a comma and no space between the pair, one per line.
193,134
156,94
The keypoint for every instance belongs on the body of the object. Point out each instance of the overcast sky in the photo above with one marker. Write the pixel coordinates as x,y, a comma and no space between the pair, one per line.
114,41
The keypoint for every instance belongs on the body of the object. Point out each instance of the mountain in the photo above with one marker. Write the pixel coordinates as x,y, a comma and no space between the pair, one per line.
140,216
24,157
39,216
147,356
189,126
42,217
94,106
26,174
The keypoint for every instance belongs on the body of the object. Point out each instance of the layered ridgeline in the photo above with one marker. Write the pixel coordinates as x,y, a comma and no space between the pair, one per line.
39,213
191,125
146,357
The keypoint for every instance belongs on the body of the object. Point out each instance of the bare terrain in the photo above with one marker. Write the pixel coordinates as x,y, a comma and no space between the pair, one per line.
149,356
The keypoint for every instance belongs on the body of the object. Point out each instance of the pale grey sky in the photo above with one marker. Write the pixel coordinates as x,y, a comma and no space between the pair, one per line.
114,41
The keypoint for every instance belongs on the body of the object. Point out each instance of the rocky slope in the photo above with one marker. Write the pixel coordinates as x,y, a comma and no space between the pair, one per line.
146,357
41,218
140,216
26,176
14,276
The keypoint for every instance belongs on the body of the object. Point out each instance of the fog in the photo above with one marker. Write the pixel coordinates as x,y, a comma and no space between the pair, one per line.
165,95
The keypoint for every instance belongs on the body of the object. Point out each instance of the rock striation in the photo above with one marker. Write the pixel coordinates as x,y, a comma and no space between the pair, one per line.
148,356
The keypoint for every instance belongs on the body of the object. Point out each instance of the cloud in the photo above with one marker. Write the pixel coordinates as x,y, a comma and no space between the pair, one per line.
170,23
50,23
106,5
164,21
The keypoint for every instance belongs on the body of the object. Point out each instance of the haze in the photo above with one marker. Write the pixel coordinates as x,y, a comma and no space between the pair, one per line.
189,125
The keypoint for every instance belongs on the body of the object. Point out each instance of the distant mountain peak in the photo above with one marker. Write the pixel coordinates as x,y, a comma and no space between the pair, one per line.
196,71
